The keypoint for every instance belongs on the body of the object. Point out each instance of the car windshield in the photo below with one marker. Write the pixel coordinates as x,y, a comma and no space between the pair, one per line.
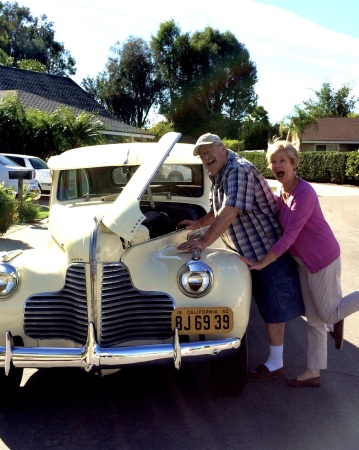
8,162
108,182
38,163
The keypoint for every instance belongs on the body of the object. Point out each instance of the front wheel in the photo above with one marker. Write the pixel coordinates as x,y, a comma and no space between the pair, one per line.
175,176
230,374
10,383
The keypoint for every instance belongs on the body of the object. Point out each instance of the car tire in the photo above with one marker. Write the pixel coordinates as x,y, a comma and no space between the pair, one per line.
175,176
225,376
229,374
11,382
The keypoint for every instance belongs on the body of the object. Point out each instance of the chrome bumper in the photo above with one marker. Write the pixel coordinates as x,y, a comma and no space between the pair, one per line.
91,357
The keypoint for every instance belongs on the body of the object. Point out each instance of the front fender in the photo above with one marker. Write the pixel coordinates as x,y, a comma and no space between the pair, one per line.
158,270
38,271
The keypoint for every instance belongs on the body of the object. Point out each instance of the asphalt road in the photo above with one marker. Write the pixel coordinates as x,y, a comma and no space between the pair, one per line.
152,408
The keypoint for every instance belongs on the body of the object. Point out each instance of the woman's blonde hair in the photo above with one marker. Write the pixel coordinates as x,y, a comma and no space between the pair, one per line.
278,145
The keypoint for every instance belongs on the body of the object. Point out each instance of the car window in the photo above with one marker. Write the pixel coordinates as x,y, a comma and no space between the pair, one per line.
7,161
183,180
38,163
121,175
18,160
175,173
73,184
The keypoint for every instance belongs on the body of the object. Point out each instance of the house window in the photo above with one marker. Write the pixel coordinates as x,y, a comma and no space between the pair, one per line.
326,148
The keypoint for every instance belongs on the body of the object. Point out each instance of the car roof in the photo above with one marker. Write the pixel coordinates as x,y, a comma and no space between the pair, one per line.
21,155
133,153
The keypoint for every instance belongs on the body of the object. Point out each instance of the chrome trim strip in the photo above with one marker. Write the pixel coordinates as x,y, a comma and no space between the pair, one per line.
93,266
177,350
8,256
9,343
92,357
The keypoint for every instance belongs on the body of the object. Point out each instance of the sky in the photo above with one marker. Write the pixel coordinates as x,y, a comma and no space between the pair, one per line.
297,45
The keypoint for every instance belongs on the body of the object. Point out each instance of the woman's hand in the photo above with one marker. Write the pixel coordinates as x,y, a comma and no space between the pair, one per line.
252,265
261,264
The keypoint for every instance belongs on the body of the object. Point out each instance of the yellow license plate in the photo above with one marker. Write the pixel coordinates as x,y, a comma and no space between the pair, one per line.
202,320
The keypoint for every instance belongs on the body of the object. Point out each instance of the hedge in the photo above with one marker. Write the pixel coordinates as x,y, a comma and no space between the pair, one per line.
320,167
352,166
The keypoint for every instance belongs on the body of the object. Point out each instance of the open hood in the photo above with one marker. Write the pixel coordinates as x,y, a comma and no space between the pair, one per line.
125,215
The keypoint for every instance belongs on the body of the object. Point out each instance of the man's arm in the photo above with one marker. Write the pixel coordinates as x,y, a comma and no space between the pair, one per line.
219,225
195,224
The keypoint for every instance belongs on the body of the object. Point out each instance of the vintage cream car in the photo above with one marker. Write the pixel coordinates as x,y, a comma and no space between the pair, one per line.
112,289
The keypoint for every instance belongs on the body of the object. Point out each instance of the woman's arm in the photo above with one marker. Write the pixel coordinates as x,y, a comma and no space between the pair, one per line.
295,216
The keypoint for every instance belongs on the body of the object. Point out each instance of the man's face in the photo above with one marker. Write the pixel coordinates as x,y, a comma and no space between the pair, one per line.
213,157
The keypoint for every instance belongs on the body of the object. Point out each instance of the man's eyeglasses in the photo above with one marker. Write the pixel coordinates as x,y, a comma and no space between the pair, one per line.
209,152
206,154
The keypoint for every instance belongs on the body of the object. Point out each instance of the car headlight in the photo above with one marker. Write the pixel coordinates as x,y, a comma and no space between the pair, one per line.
9,280
195,278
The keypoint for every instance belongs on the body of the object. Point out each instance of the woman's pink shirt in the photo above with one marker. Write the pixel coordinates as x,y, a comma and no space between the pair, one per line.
306,233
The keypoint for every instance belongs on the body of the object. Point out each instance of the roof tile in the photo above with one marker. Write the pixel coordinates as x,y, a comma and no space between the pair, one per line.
333,129
47,92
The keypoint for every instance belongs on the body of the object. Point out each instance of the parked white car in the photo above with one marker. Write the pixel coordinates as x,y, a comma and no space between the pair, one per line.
112,289
11,172
42,171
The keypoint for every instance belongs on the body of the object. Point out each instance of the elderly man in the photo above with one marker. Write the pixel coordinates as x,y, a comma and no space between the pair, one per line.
243,214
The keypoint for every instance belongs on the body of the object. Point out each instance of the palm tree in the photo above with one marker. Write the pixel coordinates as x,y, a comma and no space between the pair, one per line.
298,122
73,131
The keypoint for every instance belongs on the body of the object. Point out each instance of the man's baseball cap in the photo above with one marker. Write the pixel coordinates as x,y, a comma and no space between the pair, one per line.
206,139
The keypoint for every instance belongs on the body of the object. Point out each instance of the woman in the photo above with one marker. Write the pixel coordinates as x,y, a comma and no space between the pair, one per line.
311,242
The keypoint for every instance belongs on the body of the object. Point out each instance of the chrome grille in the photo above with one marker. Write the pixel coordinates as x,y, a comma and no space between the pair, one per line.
129,314
126,313
60,315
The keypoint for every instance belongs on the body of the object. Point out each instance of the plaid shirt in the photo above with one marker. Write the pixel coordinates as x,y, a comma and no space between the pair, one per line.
240,184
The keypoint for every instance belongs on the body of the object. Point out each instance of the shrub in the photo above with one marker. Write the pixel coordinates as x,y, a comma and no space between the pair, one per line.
259,159
323,167
8,208
352,167
233,144
319,167
28,210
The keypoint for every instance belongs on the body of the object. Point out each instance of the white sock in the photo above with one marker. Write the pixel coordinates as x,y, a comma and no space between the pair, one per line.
275,358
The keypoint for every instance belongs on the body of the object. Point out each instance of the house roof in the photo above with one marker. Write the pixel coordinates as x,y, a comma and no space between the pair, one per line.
48,92
333,129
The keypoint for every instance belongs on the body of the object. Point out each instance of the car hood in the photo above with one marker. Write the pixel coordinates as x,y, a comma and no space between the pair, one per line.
125,215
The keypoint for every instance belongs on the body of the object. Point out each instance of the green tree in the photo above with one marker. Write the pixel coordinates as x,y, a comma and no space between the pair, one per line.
166,52
12,124
208,79
130,87
256,130
160,129
292,127
42,134
331,103
23,37
328,103
71,131
5,60
31,64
